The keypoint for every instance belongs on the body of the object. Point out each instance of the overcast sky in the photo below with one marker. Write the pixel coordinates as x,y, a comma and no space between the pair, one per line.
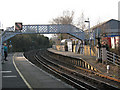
42,11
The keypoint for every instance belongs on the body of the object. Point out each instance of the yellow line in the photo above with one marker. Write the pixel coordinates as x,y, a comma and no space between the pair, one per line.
28,85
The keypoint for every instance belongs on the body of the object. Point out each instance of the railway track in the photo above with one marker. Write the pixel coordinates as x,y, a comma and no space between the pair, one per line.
69,75
67,78
87,72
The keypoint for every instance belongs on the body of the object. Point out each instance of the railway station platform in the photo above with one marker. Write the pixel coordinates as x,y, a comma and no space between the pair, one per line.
91,60
18,74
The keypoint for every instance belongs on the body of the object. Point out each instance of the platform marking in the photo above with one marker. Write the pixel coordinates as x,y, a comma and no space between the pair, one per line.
28,85
9,76
6,71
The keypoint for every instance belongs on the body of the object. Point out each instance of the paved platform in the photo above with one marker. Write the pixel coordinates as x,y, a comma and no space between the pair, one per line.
91,60
19,73
10,77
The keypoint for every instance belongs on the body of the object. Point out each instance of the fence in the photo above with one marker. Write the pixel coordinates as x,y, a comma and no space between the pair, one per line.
113,58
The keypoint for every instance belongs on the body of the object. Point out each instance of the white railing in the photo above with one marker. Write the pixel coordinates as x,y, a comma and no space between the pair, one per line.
113,58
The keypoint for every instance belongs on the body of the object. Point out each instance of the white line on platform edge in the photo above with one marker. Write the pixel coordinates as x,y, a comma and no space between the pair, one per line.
46,72
5,71
8,76
21,75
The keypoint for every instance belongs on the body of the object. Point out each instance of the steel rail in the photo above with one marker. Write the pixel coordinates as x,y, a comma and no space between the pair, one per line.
58,73
91,79
87,70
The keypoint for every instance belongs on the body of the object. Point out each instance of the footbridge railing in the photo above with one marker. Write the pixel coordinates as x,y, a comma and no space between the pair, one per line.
45,29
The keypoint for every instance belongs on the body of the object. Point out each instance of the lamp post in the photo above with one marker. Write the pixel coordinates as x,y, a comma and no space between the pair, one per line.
99,59
88,21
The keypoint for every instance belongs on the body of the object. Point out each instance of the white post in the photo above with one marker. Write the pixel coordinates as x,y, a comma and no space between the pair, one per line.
98,52
108,68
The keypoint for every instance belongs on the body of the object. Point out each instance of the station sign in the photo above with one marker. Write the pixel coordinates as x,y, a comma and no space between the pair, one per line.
18,26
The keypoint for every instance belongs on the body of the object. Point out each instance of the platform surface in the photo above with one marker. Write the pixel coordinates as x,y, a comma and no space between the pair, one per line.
92,61
89,59
10,77
19,73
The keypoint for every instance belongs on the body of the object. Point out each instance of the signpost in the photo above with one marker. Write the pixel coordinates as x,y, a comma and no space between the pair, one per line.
18,26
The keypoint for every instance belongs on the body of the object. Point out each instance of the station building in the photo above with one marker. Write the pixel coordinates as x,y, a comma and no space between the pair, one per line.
109,32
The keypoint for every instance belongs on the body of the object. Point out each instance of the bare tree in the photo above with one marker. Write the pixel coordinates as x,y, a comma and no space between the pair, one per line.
67,18
81,22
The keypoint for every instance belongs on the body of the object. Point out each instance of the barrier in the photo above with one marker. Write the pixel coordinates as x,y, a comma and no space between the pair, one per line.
113,58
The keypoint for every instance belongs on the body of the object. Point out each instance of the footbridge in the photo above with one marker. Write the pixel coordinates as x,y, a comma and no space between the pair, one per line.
45,29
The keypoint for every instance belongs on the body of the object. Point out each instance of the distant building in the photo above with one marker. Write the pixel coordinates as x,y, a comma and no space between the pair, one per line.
109,31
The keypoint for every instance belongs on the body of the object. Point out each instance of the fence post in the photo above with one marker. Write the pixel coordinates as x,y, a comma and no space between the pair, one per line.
114,58
104,55
108,68
119,72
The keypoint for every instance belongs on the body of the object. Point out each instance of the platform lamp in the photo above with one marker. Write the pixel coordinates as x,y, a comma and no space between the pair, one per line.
88,21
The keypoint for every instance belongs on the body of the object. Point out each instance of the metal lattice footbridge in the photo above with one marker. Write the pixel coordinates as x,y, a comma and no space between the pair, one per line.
45,29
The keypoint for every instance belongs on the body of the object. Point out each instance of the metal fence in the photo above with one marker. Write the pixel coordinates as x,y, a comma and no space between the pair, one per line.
113,58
